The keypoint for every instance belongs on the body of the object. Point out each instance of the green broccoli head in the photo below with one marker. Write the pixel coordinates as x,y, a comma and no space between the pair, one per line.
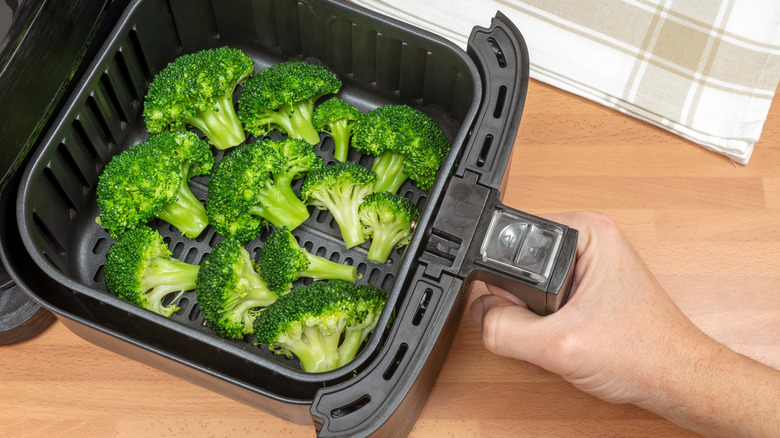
150,180
282,97
196,89
322,324
243,196
336,117
282,261
406,144
299,159
388,220
139,268
340,188
230,290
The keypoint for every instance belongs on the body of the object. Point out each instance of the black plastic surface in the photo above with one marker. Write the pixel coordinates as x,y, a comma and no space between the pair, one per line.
501,56
20,317
43,46
381,61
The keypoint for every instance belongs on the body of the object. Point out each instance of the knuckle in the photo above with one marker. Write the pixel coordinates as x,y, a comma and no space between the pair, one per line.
492,330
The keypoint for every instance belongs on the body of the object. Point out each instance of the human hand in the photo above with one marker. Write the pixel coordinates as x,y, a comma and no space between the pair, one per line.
622,339
619,336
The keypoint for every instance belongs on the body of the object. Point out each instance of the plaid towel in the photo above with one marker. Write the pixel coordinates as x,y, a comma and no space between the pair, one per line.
705,70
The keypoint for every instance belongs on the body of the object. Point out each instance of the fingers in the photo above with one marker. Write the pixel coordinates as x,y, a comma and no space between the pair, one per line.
506,326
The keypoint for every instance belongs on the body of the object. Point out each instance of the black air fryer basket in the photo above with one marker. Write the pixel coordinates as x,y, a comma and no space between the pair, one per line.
464,234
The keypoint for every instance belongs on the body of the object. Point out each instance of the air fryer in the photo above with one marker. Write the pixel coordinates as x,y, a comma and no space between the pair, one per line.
90,111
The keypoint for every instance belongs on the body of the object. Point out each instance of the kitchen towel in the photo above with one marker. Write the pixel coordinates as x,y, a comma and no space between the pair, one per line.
705,70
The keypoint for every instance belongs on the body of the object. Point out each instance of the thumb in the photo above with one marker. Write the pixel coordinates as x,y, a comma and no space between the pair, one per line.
506,327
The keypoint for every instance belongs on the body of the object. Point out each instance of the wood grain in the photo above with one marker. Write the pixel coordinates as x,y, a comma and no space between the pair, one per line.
706,227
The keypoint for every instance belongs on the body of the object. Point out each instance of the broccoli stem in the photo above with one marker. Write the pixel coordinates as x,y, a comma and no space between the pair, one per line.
316,351
220,124
321,268
390,175
346,215
340,132
383,241
251,293
165,276
280,206
301,122
155,296
243,313
353,339
186,213
178,274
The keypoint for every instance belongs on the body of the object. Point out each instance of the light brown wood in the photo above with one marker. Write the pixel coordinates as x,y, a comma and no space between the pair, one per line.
706,227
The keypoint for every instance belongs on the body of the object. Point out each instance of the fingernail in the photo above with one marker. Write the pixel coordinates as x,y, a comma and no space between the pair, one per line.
476,311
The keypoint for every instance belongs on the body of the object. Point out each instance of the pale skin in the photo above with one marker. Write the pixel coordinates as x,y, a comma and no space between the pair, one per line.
622,339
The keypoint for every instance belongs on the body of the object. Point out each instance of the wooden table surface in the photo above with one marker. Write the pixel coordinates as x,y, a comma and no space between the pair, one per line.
706,227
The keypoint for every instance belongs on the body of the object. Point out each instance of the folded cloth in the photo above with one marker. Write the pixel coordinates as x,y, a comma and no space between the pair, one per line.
706,71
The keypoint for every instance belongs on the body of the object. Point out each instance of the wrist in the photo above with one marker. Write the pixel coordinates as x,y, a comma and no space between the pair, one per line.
718,392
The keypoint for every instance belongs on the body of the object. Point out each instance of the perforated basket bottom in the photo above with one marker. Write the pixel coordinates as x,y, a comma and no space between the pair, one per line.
318,235
380,63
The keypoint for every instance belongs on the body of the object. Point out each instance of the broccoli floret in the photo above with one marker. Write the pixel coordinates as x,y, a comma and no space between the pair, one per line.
139,268
282,261
243,196
197,90
322,324
340,188
336,117
230,290
282,97
299,159
150,180
388,220
406,144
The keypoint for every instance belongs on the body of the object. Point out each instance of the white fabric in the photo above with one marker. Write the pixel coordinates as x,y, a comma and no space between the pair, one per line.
706,71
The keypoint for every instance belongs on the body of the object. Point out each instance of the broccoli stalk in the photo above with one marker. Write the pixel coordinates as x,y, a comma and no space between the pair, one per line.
139,268
230,290
165,276
197,90
388,220
187,212
282,261
406,144
243,195
293,119
336,117
150,180
390,165
340,188
280,206
309,322
219,123
282,97
316,347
